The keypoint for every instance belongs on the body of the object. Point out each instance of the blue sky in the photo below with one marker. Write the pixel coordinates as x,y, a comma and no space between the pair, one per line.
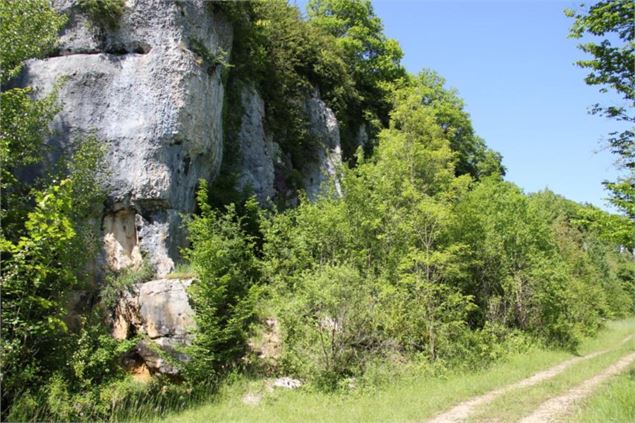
513,65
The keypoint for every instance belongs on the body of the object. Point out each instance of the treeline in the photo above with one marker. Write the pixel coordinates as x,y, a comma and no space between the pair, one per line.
412,262
429,256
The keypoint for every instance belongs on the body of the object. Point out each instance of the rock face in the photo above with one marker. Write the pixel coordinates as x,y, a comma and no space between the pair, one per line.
324,127
152,90
261,160
147,90
258,152
159,310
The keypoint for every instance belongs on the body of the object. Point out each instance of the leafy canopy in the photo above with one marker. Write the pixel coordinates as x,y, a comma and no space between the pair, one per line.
611,68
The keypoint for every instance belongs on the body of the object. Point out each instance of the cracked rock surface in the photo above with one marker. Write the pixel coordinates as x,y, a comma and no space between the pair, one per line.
143,90
160,311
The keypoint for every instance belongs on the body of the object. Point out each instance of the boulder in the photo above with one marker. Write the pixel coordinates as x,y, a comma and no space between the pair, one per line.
160,311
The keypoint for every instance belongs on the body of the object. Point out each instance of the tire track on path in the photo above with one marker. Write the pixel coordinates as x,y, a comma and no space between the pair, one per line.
559,406
463,410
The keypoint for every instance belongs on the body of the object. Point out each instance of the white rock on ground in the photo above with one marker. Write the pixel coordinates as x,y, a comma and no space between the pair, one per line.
286,383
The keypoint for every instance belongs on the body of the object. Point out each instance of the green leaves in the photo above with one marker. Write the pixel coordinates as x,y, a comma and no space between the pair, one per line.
611,68
105,13
29,29
223,295
370,58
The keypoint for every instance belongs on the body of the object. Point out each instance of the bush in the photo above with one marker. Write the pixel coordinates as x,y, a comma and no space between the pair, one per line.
224,295
104,13
330,325
117,282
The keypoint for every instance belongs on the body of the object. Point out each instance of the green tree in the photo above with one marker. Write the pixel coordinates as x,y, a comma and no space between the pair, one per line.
473,156
42,264
49,235
29,29
287,59
222,256
372,59
522,267
611,68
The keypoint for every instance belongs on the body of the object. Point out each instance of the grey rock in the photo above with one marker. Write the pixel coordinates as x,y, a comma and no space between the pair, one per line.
143,90
165,309
257,149
260,156
324,127
153,359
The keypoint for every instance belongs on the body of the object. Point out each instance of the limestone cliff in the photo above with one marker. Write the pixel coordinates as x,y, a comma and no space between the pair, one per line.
143,90
147,90
152,89
263,163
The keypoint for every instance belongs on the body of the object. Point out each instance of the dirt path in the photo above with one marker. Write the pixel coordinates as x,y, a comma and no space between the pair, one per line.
462,411
557,407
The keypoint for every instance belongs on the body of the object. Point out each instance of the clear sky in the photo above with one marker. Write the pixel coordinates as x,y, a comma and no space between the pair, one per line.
513,65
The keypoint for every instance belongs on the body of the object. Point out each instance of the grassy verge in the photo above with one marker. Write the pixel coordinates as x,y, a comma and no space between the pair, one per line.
614,402
519,403
409,398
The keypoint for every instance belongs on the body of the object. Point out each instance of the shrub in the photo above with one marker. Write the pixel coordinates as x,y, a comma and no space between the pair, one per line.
222,256
104,13
330,325
117,282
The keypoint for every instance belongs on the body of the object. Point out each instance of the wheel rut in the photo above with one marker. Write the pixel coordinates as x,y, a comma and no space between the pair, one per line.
462,411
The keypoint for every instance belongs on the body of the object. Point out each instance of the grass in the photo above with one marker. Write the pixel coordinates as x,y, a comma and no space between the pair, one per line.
409,398
612,403
522,402
182,271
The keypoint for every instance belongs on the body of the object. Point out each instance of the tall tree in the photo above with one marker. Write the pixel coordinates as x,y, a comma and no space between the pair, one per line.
373,58
611,68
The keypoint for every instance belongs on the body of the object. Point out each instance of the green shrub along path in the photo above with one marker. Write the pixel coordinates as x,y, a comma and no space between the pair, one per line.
420,395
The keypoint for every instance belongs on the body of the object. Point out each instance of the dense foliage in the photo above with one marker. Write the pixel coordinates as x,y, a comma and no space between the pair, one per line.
416,261
104,13
52,350
225,293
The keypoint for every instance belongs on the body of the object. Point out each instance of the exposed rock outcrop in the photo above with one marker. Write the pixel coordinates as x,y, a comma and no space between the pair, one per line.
146,89
262,161
324,127
160,311
258,152
152,90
